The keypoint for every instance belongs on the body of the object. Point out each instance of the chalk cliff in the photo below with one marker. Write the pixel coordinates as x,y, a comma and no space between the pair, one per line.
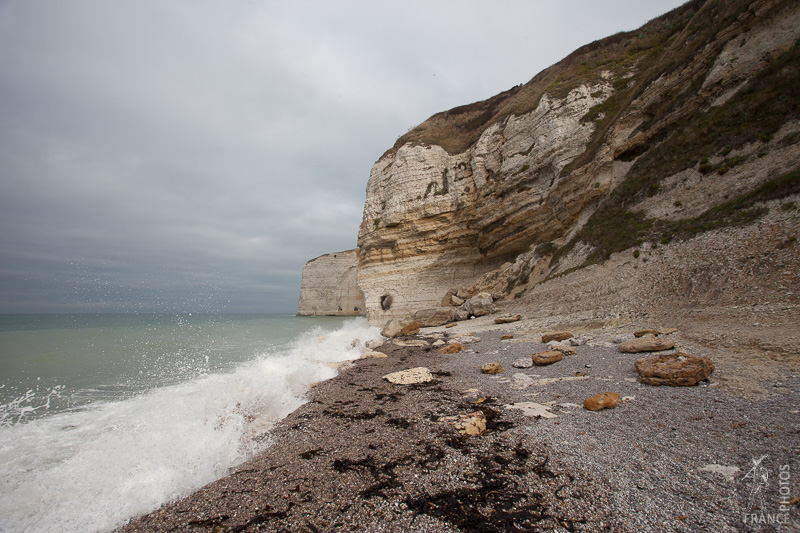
328,286
650,140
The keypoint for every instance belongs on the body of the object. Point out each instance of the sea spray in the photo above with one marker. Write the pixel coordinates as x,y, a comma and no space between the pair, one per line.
94,468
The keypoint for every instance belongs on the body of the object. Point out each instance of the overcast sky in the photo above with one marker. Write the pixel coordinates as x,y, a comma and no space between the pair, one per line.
192,155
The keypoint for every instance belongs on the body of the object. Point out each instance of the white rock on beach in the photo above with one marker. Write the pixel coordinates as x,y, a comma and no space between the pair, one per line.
532,409
408,377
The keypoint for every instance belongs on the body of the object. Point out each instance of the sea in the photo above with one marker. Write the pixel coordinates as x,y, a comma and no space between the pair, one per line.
106,417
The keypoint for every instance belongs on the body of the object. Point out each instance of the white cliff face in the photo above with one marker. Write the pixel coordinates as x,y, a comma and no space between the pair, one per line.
435,221
329,286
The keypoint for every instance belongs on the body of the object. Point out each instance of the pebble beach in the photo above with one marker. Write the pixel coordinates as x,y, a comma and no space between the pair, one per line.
515,450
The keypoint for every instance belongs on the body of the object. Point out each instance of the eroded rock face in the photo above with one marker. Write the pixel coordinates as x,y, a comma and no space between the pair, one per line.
329,287
431,217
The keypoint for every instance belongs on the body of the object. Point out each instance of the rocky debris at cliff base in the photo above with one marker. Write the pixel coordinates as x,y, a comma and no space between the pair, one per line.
508,319
604,400
480,305
677,370
435,316
492,368
644,344
412,328
556,336
409,377
546,358
392,329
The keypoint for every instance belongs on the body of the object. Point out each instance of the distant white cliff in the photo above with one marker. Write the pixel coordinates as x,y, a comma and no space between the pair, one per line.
329,286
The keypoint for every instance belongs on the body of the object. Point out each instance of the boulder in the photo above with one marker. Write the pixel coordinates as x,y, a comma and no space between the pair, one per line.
412,328
676,370
392,329
410,376
461,314
374,343
507,319
435,316
556,336
479,305
643,332
604,400
492,368
646,345
522,362
456,301
546,358
456,347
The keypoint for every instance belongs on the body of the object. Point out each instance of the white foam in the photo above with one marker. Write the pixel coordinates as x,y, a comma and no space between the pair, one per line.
94,469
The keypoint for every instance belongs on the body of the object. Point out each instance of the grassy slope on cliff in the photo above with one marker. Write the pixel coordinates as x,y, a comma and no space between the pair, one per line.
459,128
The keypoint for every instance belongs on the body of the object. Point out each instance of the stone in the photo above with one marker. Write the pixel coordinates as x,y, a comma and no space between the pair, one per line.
507,319
506,337
412,328
435,316
566,350
470,424
577,341
676,370
522,362
492,368
546,358
373,355
438,342
479,305
415,343
646,345
456,301
521,381
456,347
668,331
643,332
556,336
392,329
604,400
374,343
461,314
328,286
451,325
410,376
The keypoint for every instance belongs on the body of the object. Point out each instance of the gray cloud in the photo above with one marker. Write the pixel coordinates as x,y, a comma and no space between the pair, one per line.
192,155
